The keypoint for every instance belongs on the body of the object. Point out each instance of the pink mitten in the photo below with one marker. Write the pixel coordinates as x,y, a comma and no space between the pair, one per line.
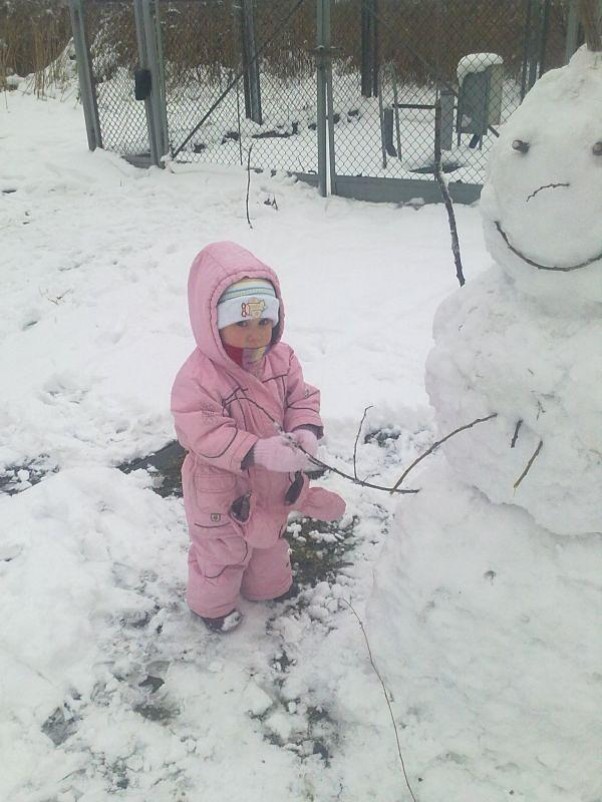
279,454
307,440
322,504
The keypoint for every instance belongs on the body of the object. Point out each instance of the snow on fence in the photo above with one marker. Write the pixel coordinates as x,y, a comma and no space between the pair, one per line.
340,93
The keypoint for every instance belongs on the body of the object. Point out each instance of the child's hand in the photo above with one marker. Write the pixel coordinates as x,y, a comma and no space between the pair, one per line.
279,454
307,440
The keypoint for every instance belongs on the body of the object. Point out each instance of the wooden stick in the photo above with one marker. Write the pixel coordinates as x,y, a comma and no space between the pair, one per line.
528,466
437,444
357,437
519,423
453,228
249,183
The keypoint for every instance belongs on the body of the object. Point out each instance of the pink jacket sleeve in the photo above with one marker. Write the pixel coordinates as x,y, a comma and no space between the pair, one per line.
302,400
203,428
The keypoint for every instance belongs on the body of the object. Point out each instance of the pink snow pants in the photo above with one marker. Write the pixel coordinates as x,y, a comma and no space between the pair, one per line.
221,568
228,556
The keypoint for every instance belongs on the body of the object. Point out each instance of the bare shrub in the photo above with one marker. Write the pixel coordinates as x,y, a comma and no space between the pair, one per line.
33,33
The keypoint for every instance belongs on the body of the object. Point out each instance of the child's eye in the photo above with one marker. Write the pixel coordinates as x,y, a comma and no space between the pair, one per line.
265,321
243,324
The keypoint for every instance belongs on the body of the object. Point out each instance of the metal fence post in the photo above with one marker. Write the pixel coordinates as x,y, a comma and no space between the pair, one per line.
321,98
447,100
369,45
543,36
329,99
325,105
143,63
85,75
572,30
145,12
250,63
534,37
155,54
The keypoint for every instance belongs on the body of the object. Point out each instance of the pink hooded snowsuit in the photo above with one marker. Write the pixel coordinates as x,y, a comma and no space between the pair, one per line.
219,415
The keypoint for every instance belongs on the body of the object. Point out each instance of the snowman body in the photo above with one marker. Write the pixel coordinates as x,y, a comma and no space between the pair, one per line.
524,341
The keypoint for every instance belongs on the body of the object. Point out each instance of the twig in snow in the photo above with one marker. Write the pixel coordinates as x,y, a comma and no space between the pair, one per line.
249,183
357,437
317,461
356,481
529,464
519,423
447,197
437,444
387,699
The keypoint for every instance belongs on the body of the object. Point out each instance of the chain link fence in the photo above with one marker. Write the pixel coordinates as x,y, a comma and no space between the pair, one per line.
114,54
240,78
344,87
393,60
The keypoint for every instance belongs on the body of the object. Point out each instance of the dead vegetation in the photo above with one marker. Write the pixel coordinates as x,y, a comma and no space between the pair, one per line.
425,39
33,34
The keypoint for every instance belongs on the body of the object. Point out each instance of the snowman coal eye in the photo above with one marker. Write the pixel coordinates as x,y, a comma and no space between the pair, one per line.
597,148
520,146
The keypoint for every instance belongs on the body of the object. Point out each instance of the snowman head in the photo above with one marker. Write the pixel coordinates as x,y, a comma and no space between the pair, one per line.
542,200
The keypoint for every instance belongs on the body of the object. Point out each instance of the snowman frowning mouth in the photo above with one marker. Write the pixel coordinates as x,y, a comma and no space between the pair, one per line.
539,266
523,147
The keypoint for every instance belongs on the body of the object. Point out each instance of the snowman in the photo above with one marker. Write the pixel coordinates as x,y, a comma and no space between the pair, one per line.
524,342
485,609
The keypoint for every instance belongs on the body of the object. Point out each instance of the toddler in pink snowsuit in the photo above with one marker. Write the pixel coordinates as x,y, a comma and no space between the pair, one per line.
241,410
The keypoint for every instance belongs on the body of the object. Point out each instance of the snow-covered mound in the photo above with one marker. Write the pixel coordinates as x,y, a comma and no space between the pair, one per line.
483,617
499,351
542,200
484,626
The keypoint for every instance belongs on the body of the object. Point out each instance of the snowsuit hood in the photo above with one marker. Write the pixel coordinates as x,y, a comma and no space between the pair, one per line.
213,270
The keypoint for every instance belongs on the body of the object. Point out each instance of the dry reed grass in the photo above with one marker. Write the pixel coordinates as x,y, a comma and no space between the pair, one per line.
425,39
591,19
33,34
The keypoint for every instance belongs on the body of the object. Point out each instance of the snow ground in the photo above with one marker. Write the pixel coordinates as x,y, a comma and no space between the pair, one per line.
108,687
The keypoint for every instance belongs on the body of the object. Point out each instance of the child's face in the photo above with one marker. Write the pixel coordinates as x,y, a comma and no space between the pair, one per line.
248,333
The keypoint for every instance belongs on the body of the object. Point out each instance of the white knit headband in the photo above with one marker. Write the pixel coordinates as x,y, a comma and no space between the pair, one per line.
249,299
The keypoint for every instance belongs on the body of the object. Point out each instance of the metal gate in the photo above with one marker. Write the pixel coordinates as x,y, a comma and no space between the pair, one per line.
340,92
247,89
108,51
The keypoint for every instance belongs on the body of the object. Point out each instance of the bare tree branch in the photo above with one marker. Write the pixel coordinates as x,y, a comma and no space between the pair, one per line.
437,444
529,464
353,479
317,461
249,183
453,228
387,700
357,437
